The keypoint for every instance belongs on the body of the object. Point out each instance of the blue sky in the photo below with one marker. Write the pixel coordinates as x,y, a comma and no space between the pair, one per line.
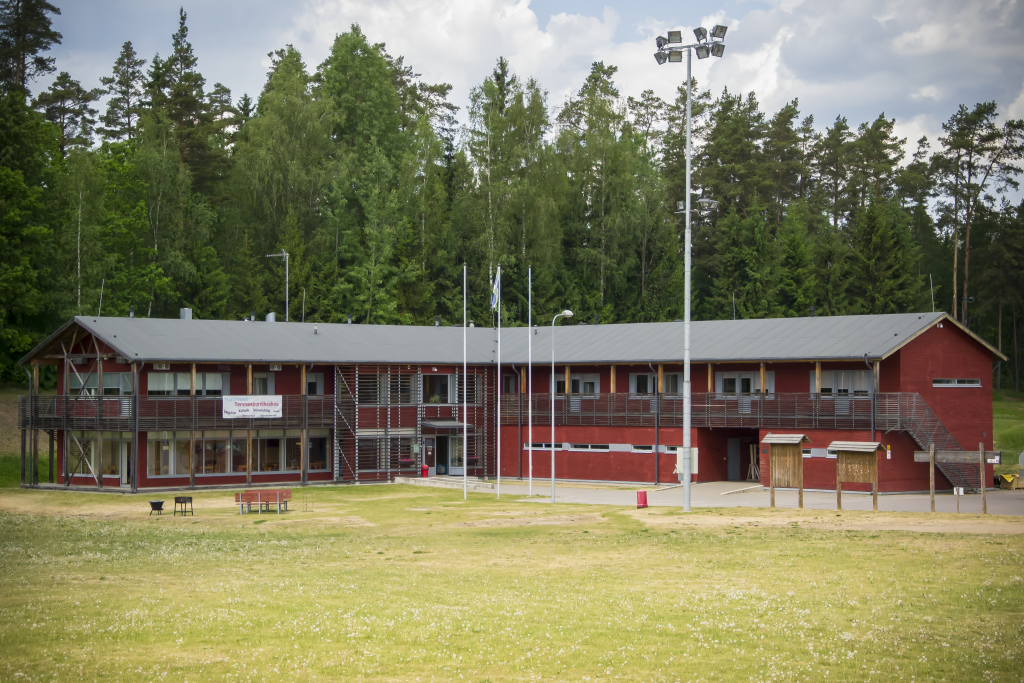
915,60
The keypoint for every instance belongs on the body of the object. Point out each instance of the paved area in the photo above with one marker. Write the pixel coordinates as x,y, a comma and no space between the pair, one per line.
718,494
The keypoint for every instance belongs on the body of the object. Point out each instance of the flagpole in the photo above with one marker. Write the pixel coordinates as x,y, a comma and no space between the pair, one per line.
497,285
529,371
465,391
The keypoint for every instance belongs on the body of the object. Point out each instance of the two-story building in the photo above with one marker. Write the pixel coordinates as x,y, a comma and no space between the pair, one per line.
145,402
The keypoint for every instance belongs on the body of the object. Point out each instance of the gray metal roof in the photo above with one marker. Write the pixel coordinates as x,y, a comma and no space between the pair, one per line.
777,339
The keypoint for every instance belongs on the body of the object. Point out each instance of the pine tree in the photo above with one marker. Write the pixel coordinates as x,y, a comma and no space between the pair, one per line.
126,90
784,160
26,31
832,159
66,104
884,275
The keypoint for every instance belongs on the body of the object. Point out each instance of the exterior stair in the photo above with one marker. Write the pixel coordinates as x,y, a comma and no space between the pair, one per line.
926,428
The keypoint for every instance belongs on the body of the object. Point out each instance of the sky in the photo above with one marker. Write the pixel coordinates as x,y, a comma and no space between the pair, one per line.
913,60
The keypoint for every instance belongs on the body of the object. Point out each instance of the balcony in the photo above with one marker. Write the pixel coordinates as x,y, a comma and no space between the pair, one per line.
893,411
163,413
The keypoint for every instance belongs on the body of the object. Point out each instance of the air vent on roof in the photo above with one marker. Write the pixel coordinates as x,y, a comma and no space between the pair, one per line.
271,317
185,313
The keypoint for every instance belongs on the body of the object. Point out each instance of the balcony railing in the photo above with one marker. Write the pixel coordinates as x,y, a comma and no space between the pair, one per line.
893,411
164,413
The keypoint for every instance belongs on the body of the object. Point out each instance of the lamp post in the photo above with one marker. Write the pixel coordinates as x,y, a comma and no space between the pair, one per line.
564,314
284,255
706,46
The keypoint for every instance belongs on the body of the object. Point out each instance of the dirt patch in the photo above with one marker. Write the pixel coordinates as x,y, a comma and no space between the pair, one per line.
534,520
855,521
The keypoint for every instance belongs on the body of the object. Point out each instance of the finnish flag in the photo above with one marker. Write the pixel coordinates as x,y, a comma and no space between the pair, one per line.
496,289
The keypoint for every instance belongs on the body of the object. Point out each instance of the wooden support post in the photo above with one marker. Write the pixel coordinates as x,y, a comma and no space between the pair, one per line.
305,426
53,436
248,432
771,475
661,378
800,473
839,480
981,478
24,463
35,430
611,384
817,377
522,381
874,480
764,387
192,429
931,474
878,376
568,386
97,462
711,378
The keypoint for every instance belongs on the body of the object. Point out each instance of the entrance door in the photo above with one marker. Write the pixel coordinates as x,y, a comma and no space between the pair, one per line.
442,455
456,458
733,459
429,454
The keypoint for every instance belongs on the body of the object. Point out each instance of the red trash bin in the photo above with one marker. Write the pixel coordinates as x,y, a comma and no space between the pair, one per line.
426,471
641,499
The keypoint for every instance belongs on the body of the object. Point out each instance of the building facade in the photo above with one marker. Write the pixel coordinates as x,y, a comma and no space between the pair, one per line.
142,403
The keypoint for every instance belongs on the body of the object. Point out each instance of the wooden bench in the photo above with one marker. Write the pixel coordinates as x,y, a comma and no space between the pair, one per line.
263,499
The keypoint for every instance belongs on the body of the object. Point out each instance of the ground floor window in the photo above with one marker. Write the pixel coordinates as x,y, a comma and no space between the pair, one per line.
278,450
87,457
319,447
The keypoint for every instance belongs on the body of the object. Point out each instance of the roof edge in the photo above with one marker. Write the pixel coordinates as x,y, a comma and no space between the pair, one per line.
942,318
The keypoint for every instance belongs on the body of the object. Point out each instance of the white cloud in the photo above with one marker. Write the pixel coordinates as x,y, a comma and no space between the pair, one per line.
1016,109
928,91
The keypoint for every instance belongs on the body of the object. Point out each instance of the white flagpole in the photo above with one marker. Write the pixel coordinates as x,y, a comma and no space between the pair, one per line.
529,371
499,381
465,392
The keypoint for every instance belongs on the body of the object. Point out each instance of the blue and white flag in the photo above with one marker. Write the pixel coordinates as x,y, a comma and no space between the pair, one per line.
495,292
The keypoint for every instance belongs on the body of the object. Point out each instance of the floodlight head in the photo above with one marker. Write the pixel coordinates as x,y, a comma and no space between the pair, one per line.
680,205
701,33
661,41
675,56
719,31
662,57
717,50
707,204
703,51
567,313
675,36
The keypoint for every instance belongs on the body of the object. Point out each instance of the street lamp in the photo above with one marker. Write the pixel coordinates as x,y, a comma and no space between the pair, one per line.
284,255
564,314
706,43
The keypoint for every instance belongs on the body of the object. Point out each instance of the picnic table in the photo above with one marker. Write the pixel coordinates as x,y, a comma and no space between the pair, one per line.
263,499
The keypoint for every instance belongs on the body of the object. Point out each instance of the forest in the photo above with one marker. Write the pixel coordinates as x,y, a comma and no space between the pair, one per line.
155,190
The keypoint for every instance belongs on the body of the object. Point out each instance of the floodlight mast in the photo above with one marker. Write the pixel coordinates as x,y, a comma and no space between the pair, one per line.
704,47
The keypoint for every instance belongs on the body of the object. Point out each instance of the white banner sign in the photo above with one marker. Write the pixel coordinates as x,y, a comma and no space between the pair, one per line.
252,406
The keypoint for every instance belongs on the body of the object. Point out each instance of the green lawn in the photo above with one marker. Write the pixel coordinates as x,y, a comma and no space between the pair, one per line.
409,583
1008,428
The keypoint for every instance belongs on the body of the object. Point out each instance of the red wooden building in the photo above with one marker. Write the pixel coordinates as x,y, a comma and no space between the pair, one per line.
141,402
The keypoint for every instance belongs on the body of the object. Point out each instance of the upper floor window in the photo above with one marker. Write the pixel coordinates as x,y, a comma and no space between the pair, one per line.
180,383
955,382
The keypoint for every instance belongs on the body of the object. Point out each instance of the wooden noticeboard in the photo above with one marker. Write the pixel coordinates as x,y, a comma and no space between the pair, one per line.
787,469
857,468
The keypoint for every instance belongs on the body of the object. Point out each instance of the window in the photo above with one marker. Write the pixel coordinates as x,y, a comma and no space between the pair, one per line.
180,383
401,389
315,383
642,448
263,384
642,383
114,384
278,450
743,382
560,385
585,384
673,383
844,382
509,384
955,382
319,445
600,447
435,389
212,451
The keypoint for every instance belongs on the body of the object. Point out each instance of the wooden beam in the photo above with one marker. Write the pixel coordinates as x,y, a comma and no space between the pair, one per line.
764,386
968,457
931,474
611,386
568,386
817,377
711,378
661,378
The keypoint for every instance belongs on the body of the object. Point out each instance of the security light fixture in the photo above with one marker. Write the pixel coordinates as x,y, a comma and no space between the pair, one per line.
662,57
675,56
703,51
567,313
675,36
680,206
718,31
707,204
717,50
661,41
701,33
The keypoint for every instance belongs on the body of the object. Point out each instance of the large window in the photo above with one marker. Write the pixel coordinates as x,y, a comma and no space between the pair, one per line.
179,383
435,389
319,448
843,382
168,454
278,450
642,383
114,384
105,461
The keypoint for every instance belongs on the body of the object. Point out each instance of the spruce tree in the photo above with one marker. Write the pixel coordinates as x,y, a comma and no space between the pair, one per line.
26,31
797,283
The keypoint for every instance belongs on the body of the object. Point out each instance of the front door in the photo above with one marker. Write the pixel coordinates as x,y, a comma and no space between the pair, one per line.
442,455
733,460
456,462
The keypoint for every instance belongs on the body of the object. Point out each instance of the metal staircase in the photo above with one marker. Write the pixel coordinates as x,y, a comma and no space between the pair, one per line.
344,424
921,422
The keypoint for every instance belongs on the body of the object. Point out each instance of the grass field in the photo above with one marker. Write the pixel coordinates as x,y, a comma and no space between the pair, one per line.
1008,428
410,583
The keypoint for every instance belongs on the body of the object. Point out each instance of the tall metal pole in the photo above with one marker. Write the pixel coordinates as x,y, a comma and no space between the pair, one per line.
553,386
687,402
465,390
529,371
286,318
500,387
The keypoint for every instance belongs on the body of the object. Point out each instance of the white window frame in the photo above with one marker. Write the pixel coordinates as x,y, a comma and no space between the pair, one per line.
652,383
956,382
755,381
269,376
